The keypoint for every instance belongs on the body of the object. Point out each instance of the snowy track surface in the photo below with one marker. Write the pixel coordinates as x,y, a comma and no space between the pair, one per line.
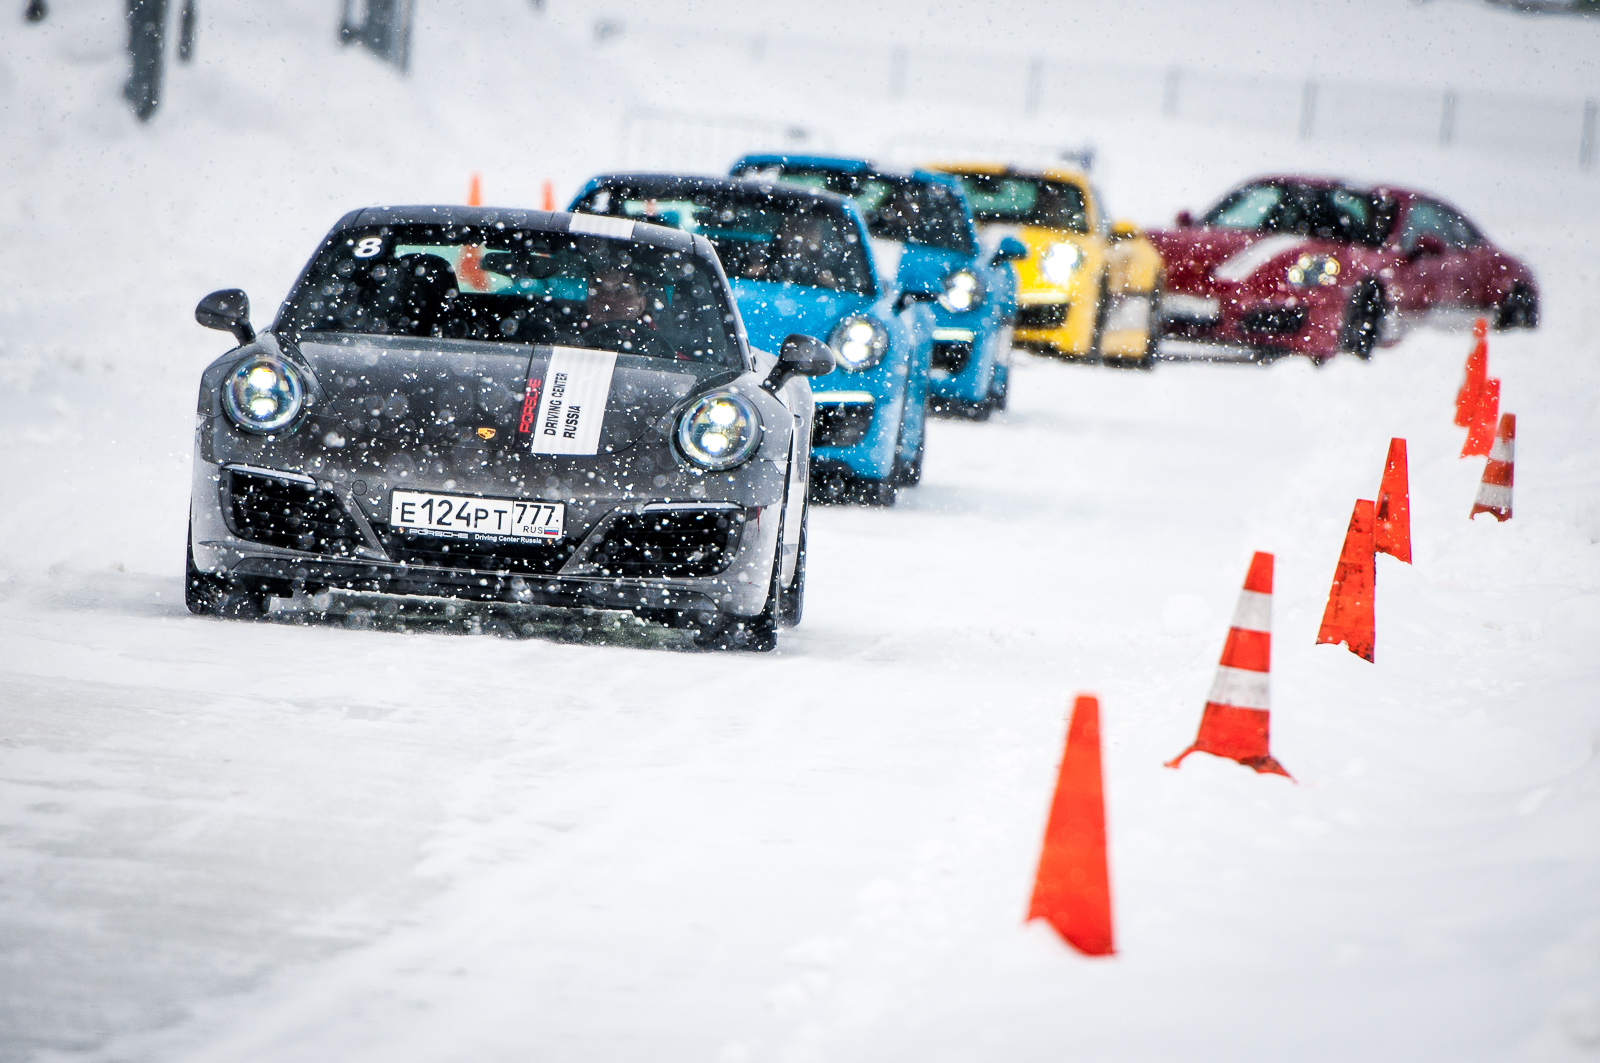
426,838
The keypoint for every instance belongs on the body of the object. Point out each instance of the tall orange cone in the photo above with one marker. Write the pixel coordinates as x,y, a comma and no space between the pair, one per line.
1392,535
1237,716
1351,617
549,199
1494,493
475,191
1480,436
1477,373
1072,890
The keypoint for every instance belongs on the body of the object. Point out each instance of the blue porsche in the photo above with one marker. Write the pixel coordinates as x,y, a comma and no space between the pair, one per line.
922,229
802,261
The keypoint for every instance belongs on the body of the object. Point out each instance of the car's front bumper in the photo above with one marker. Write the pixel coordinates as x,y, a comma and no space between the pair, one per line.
1309,322
347,545
857,423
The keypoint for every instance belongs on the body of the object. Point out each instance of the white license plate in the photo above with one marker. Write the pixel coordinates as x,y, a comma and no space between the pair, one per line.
428,513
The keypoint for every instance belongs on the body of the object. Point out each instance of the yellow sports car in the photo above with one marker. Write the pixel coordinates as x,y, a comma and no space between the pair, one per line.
1089,288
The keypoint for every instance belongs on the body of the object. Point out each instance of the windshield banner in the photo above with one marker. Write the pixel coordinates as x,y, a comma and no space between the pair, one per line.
572,407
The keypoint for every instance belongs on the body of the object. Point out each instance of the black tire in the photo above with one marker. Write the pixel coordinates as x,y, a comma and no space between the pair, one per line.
1519,309
1102,310
206,594
1152,341
907,471
792,603
1363,322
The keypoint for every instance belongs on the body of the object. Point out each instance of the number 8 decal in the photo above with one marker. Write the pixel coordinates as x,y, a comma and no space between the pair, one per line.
369,246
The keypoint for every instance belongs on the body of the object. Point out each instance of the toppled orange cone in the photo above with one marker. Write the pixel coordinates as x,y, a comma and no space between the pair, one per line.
1392,534
1351,617
1237,716
1480,436
1072,890
1477,373
1494,493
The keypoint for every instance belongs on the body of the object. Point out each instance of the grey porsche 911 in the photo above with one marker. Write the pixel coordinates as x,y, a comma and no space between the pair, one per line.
509,406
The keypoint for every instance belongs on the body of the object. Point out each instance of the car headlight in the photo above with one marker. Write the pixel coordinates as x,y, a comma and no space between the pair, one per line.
858,343
720,430
1310,270
1059,262
263,394
962,291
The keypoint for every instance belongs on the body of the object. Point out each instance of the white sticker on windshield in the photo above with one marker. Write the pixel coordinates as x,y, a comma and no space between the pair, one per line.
572,408
589,223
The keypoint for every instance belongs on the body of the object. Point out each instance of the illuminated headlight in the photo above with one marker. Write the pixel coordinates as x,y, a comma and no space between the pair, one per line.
859,343
720,430
1309,270
263,394
962,291
1059,262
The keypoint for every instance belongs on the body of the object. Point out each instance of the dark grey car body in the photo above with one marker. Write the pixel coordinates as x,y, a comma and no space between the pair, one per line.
646,530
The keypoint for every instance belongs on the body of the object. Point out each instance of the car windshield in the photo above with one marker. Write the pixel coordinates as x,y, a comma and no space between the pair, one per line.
758,237
1014,200
901,209
1325,212
516,286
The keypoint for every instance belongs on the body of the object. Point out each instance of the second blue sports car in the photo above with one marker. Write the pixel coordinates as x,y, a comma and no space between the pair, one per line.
923,231
801,261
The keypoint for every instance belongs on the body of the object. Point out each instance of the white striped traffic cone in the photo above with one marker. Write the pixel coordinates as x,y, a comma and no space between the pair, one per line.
1494,493
1237,715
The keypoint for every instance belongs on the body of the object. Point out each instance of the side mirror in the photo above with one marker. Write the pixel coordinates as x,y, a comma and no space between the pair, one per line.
1123,229
1428,244
800,356
1010,249
228,310
1185,220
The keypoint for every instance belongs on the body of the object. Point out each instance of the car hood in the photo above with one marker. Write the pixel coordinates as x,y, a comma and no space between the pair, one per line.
1197,259
390,394
772,312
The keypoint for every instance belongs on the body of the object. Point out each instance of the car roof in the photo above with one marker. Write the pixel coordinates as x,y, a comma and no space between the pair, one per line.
1002,169
534,220
840,164
664,183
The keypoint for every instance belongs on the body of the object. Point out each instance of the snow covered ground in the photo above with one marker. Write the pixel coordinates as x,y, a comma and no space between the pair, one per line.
440,837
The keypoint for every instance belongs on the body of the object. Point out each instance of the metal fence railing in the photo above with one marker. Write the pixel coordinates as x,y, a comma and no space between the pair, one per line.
1544,127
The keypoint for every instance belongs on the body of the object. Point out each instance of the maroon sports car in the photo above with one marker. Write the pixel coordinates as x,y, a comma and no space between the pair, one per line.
1299,265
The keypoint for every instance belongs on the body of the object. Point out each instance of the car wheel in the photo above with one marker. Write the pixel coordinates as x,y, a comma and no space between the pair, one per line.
206,594
1152,332
1102,309
793,602
908,468
1519,309
1363,321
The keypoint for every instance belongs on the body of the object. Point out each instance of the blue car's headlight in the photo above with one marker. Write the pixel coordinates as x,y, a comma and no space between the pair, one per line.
263,394
962,291
720,430
859,343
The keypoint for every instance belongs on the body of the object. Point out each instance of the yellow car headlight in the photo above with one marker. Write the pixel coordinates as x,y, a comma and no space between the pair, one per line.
1059,262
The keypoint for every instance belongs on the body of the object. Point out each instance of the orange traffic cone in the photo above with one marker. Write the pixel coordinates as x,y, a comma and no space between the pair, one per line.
549,199
1480,436
1494,493
1477,372
1236,720
475,191
1392,535
1350,617
1072,890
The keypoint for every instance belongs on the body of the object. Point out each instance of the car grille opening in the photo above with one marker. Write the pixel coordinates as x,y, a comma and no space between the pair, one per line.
476,555
289,514
1042,315
840,424
951,356
1278,320
668,543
